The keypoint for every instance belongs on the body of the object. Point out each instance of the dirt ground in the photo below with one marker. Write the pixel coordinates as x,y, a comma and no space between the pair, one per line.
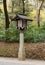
33,50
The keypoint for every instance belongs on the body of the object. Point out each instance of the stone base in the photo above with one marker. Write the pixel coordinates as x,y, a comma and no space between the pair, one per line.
21,56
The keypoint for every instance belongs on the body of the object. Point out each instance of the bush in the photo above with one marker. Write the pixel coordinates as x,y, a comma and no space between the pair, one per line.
31,34
35,34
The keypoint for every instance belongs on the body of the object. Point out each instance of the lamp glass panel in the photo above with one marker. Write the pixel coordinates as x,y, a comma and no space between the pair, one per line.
20,23
24,24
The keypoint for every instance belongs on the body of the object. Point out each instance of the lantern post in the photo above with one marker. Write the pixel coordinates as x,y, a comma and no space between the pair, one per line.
21,20
21,53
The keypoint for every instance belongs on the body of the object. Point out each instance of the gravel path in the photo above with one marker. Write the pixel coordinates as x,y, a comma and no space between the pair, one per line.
15,61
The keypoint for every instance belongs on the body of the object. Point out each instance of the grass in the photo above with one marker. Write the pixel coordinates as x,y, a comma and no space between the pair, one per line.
33,50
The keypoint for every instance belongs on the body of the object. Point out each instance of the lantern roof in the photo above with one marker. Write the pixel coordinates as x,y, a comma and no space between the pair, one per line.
21,17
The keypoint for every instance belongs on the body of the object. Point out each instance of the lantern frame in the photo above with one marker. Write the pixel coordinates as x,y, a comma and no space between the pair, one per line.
21,20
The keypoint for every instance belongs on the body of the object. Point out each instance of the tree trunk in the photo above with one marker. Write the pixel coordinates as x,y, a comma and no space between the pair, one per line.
38,17
12,6
6,15
38,13
23,6
6,18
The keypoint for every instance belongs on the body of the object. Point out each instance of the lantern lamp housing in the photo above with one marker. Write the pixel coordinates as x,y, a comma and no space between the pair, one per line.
21,21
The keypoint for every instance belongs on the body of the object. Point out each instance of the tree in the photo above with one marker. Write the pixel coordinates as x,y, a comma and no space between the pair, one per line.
19,6
6,15
23,6
13,2
39,4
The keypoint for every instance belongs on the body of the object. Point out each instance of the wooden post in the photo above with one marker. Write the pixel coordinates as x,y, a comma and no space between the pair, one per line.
21,54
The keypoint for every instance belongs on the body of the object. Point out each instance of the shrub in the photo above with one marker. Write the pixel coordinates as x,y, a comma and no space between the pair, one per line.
31,34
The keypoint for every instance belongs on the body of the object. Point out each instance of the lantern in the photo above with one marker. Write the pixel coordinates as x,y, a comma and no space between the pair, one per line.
21,21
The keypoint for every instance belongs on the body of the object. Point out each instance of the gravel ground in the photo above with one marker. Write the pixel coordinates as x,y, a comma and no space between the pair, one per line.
15,61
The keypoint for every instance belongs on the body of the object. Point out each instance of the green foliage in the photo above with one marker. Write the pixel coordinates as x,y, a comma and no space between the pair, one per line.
12,34
35,35
32,34
0,11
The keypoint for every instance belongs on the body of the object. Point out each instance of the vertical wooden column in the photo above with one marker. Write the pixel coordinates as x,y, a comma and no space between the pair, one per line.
21,54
